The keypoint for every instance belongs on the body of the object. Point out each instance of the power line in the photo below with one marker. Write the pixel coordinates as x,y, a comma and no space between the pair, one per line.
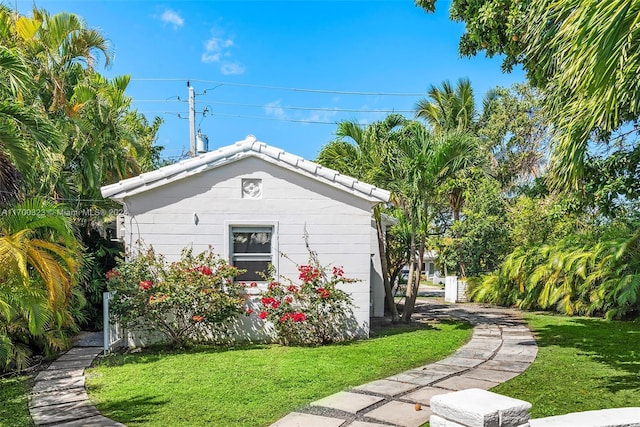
268,106
292,89
317,122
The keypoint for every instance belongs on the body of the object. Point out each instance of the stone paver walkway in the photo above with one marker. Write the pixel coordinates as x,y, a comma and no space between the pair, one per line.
501,348
58,397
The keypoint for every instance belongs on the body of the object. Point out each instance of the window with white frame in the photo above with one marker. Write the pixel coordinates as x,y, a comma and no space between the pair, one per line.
251,249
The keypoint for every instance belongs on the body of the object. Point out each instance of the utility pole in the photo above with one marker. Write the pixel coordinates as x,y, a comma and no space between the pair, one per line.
192,121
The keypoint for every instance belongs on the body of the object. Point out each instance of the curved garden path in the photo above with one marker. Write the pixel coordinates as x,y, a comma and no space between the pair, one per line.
501,348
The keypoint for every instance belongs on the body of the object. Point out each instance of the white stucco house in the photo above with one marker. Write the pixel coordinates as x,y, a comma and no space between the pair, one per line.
266,198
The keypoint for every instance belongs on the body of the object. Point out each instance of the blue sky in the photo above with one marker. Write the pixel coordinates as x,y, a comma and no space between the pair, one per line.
246,59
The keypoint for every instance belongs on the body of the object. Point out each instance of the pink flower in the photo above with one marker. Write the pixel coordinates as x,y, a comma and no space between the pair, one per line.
273,285
323,293
111,274
285,317
205,270
308,273
145,285
338,271
262,315
299,317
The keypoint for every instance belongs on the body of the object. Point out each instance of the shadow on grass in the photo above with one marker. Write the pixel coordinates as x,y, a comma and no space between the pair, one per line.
153,354
135,409
615,344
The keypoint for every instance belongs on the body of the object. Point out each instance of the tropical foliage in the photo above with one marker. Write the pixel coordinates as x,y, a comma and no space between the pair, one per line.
39,264
65,131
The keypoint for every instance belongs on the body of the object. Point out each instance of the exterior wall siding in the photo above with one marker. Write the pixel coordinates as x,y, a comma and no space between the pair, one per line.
198,211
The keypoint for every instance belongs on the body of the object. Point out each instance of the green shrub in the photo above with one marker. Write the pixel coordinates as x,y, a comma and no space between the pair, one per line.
314,311
190,300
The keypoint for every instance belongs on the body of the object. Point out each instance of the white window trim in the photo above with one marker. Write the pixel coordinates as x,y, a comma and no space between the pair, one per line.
275,259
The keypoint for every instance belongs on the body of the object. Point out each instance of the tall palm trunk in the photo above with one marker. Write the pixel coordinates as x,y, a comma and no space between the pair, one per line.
412,284
382,248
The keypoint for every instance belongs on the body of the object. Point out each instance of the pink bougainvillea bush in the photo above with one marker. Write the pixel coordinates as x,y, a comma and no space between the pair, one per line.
193,299
311,310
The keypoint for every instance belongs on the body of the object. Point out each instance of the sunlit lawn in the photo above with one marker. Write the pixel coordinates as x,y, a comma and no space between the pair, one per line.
14,409
582,364
254,386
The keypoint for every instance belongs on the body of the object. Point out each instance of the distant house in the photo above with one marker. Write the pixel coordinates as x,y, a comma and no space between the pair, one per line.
261,195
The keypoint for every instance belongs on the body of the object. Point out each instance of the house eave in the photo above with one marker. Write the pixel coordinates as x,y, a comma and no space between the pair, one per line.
249,147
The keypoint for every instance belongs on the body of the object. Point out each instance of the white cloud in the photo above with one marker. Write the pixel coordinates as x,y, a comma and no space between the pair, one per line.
216,49
275,109
231,68
172,17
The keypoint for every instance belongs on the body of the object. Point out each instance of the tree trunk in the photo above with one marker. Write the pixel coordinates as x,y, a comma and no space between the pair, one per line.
382,248
412,287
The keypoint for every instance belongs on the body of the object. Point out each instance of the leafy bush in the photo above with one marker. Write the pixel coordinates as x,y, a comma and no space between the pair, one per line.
314,311
190,300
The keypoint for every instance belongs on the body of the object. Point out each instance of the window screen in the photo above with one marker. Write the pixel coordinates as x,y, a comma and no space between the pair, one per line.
251,251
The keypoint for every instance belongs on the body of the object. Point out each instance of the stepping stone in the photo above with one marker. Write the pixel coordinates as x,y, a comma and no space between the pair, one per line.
58,384
366,424
491,375
348,402
297,419
504,365
73,356
470,353
97,421
63,413
386,387
57,397
400,414
59,373
463,382
83,351
424,395
460,361
436,368
419,377
70,364
525,356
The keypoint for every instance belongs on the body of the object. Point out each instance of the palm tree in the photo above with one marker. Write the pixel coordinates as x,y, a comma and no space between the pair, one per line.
25,131
585,55
449,108
58,45
426,161
39,262
451,113
366,153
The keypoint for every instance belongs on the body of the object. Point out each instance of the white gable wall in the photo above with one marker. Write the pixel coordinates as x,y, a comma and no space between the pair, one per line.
338,223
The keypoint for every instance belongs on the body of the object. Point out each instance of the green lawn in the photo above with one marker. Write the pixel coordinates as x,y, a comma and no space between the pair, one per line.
255,385
582,364
14,406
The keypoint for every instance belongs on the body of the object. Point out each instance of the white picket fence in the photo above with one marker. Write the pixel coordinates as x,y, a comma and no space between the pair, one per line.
113,333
